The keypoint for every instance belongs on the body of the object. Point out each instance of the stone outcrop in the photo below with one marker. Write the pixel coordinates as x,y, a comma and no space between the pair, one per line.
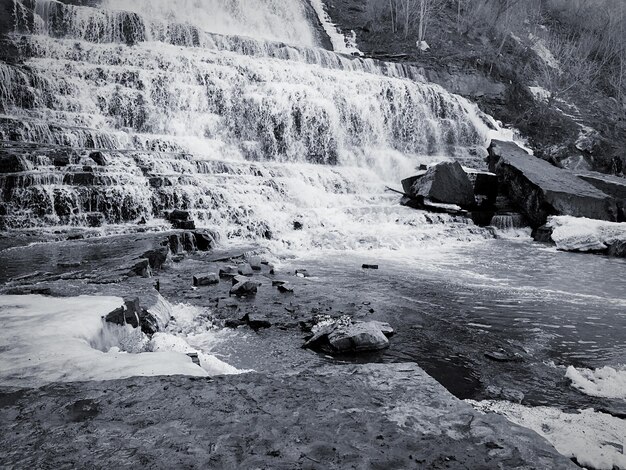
614,186
364,416
150,312
540,190
445,183
343,335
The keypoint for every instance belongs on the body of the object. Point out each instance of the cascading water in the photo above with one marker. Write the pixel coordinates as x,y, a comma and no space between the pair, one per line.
202,109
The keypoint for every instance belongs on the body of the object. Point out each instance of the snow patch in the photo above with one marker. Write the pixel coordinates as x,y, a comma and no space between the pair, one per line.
582,234
422,46
539,47
340,42
66,339
607,382
540,93
596,440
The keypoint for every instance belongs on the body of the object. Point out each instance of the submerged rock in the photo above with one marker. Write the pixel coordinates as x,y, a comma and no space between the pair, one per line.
539,189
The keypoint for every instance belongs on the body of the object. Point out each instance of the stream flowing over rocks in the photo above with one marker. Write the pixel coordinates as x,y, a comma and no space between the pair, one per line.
205,261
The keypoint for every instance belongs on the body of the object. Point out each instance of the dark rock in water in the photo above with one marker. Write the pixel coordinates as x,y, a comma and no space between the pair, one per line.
539,189
297,225
343,335
194,358
178,215
10,163
141,268
283,289
245,269
184,224
132,313
175,244
100,158
255,262
407,183
181,220
358,337
244,289
157,257
95,219
205,240
617,249
227,271
501,356
231,323
205,279
370,266
189,241
543,234
446,183
256,321
302,273
485,187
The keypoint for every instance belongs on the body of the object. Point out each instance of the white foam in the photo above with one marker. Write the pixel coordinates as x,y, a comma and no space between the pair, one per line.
605,381
595,439
65,339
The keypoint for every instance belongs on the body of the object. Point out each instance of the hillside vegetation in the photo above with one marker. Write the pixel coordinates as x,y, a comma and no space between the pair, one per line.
554,69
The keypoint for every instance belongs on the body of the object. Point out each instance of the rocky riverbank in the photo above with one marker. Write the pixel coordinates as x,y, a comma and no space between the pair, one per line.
369,416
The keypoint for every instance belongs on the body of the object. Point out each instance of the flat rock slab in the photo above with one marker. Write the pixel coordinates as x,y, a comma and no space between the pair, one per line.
540,189
368,416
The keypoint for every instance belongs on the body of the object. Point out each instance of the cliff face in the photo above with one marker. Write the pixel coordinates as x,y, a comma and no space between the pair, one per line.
583,130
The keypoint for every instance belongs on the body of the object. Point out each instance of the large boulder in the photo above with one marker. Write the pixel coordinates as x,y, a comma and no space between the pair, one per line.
540,189
343,335
446,183
614,186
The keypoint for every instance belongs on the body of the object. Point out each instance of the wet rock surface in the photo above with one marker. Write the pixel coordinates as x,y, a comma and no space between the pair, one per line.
540,189
446,183
383,416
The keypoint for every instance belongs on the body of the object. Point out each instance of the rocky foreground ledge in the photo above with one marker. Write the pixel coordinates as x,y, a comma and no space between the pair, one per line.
366,416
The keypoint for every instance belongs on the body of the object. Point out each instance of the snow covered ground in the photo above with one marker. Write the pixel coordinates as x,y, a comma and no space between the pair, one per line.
48,339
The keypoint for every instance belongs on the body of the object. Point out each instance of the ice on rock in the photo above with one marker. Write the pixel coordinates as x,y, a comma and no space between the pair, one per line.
582,234
596,440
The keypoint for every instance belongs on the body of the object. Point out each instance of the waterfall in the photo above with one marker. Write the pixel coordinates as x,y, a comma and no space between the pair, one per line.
226,108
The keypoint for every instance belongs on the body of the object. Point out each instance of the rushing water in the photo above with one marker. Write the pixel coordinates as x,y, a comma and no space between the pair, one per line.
232,110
